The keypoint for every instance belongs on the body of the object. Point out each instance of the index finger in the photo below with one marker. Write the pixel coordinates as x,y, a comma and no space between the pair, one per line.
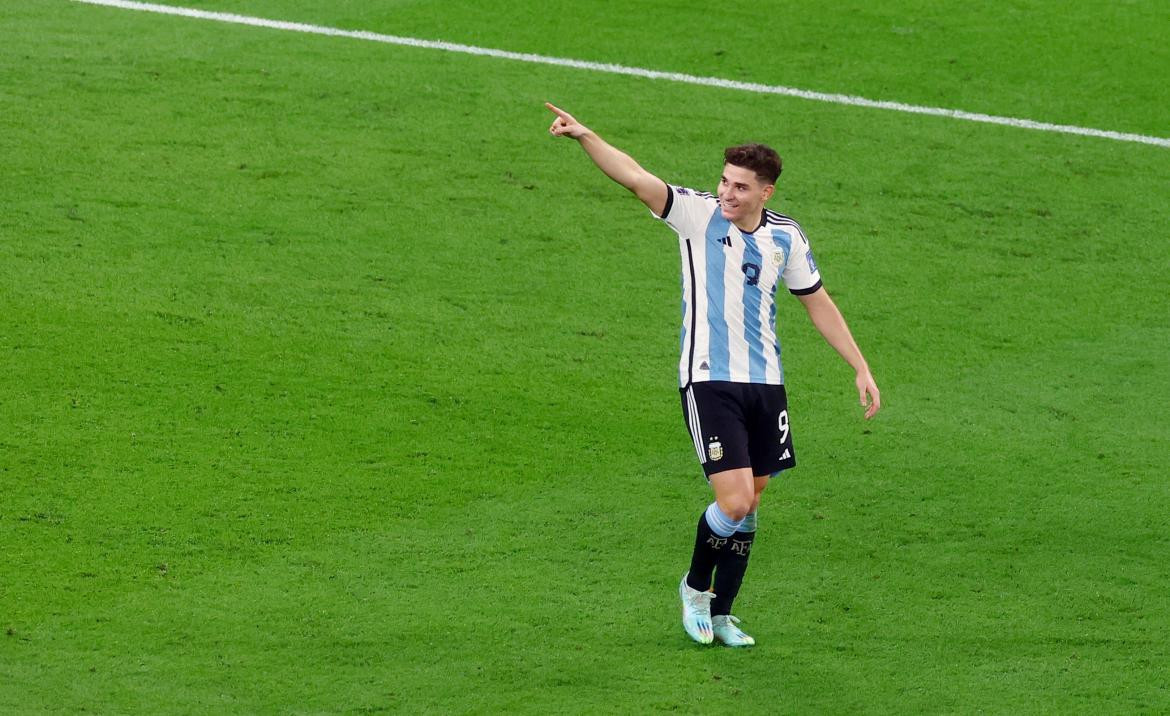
557,110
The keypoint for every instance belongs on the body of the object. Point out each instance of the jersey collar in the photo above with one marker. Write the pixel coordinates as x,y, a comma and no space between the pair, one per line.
763,220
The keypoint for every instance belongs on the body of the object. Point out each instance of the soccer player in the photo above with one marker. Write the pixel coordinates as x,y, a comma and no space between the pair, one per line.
735,254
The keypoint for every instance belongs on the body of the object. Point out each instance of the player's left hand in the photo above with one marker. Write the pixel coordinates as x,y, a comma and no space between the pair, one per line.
871,397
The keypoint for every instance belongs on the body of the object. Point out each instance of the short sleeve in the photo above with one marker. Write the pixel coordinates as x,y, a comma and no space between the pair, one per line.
801,274
687,211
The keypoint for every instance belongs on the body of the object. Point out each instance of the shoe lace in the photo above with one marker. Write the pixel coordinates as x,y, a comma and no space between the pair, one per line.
730,621
701,600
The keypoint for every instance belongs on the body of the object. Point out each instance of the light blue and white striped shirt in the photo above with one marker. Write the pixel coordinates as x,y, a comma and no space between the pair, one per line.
729,282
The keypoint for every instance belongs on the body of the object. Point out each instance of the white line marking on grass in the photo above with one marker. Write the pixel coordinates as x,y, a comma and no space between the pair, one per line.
844,99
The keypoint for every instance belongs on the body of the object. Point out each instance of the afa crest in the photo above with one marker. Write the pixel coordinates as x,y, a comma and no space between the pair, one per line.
715,450
778,257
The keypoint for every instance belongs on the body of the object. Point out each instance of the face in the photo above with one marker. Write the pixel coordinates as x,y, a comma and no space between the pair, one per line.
742,195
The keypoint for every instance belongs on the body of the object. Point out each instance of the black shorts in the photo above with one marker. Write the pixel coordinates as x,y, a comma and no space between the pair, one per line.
736,425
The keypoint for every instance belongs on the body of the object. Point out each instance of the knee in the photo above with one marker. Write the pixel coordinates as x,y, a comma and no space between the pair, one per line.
737,507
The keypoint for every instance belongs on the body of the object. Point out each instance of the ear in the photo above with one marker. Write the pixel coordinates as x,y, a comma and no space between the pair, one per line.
769,190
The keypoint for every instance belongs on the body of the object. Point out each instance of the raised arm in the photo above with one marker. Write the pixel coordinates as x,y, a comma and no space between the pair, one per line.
616,164
829,321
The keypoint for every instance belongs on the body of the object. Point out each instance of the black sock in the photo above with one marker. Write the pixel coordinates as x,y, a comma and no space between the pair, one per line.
708,547
730,567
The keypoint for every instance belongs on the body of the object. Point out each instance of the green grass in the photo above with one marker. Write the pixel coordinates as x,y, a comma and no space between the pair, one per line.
333,384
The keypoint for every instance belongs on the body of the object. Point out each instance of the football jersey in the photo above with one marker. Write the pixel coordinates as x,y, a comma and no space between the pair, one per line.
729,283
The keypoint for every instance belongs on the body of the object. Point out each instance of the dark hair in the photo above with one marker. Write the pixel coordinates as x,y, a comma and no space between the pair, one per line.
760,158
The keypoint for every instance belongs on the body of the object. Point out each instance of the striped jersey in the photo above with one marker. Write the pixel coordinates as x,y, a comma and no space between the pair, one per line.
729,283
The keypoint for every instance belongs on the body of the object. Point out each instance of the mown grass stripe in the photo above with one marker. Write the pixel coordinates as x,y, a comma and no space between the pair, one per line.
842,99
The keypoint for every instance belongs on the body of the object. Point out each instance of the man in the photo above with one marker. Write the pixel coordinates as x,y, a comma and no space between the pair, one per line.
735,253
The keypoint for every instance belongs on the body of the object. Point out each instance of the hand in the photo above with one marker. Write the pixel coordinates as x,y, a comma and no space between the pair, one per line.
565,124
867,388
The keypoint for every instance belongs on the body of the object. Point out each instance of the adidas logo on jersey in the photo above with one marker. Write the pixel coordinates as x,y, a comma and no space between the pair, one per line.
726,241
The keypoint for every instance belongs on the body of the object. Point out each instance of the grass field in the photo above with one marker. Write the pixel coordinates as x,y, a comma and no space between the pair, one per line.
332,383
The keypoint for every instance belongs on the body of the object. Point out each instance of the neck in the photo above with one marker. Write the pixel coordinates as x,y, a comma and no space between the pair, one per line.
750,223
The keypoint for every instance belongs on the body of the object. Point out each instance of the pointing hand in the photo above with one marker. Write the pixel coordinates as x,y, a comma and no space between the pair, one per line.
565,124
